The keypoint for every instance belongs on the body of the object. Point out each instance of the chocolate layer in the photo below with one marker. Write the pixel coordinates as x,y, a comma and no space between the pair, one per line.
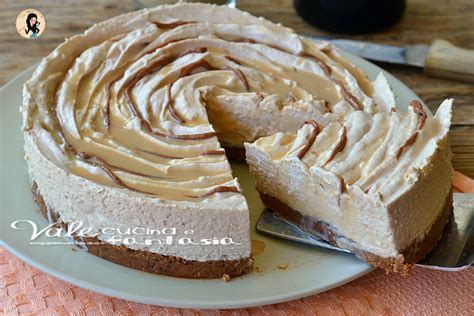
153,262
401,264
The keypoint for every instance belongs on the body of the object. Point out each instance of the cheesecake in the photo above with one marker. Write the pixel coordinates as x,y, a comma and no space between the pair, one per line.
376,185
128,128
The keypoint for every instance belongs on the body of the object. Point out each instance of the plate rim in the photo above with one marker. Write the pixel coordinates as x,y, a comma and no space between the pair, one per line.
182,304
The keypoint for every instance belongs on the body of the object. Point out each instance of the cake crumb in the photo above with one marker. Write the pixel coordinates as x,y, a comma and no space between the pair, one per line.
282,266
226,277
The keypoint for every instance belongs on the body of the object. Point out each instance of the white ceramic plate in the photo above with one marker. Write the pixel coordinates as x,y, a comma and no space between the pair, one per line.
285,270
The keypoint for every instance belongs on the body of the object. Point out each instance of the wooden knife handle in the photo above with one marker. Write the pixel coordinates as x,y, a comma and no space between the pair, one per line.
449,61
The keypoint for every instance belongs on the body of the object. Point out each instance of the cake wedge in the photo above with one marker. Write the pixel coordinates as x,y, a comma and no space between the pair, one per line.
376,185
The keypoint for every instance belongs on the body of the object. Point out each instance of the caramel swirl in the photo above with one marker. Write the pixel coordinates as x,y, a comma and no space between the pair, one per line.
146,106
311,140
421,116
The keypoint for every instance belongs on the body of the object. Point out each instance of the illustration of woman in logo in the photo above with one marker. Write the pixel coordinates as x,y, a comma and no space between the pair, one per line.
32,25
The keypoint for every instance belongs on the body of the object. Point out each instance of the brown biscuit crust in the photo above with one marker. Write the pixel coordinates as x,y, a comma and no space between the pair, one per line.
402,264
153,262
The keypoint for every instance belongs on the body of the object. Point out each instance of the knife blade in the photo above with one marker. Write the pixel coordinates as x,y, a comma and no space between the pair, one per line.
440,59
413,55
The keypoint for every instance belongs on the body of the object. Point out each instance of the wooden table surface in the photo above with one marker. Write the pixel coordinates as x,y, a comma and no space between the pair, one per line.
423,21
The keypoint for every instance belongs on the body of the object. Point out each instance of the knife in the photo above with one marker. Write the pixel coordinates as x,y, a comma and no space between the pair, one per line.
440,59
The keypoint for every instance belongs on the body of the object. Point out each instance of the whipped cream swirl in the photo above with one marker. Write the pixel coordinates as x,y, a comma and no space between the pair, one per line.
148,105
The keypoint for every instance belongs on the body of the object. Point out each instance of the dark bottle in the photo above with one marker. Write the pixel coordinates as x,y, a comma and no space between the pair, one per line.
350,16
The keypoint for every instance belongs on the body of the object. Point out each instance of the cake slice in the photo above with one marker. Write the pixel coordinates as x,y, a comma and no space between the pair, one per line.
377,185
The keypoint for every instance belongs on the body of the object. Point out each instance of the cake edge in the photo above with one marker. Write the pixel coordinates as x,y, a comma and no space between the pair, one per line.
148,261
402,264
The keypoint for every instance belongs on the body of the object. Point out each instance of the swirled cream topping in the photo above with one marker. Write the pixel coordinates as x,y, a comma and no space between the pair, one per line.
380,154
145,102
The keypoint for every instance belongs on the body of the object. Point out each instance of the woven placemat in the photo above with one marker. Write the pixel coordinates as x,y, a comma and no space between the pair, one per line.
24,289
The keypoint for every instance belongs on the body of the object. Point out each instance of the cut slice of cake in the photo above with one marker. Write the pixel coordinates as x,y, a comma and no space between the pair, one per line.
377,185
